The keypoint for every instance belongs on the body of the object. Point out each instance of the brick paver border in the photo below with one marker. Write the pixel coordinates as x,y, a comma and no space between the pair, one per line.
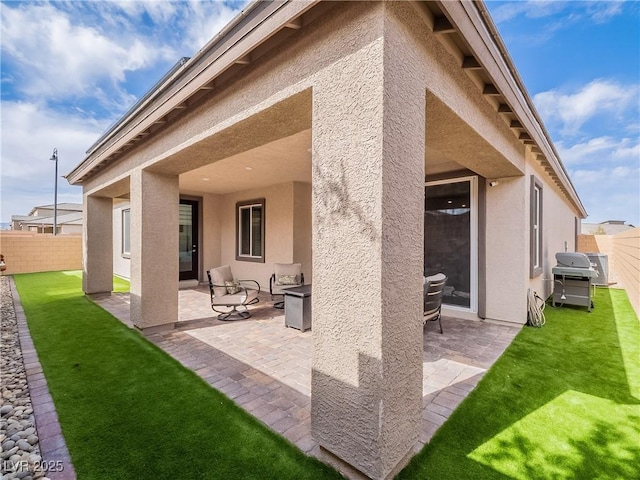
53,448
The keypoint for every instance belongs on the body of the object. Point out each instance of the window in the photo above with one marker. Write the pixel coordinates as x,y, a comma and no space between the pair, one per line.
126,233
250,230
536,228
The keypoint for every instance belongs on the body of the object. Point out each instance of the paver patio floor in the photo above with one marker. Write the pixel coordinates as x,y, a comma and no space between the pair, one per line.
266,368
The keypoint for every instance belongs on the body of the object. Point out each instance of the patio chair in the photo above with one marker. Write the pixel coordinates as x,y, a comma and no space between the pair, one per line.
285,275
433,288
229,295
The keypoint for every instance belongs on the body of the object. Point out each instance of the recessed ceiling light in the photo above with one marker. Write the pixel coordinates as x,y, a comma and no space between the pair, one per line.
449,201
205,179
248,168
464,206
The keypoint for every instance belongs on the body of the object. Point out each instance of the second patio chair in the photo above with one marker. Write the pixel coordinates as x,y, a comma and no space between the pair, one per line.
285,275
432,290
230,298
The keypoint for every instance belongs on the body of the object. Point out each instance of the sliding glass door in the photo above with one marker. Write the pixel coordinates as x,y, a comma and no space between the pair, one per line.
451,238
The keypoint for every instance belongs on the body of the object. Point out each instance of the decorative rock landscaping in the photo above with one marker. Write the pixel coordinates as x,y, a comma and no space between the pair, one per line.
20,453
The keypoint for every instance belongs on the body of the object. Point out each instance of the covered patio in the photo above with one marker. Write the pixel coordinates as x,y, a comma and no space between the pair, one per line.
266,368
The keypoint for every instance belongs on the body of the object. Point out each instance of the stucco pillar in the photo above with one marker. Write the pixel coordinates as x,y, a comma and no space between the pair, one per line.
97,244
154,249
368,209
507,238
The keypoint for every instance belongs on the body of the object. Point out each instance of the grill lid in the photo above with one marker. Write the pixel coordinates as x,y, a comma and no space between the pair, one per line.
573,259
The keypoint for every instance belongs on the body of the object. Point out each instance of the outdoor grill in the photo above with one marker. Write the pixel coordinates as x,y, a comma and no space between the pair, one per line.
572,279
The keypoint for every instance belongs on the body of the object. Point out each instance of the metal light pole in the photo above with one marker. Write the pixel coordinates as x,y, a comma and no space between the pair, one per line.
54,157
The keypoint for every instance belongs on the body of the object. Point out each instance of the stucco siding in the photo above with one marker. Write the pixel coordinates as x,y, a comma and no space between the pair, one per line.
302,225
507,254
558,227
211,248
279,232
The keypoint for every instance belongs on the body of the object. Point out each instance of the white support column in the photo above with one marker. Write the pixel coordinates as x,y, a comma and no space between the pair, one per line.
97,245
154,249
368,214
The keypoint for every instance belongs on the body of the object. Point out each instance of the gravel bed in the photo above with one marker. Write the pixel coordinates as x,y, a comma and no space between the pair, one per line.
20,451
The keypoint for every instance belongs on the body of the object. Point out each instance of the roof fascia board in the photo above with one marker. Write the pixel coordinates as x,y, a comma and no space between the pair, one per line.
212,60
468,19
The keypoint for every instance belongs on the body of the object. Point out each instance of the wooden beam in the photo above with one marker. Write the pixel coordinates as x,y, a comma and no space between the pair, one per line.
515,124
470,63
504,108
246,60
528,142
490,89
207,87
442,25
524,136
295,24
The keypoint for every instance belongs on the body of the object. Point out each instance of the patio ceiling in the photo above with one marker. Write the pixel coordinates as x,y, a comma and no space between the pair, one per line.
284,160
288,159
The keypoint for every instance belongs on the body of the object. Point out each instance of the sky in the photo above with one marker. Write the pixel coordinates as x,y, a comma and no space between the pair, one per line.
69,69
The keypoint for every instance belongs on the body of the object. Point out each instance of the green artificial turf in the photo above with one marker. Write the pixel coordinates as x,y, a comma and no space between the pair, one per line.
129,411
120,284
563,402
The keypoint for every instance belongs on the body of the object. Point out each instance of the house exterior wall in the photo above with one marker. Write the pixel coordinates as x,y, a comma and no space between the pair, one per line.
507,254
27,252
378,89
65,229
49,212
280,235
211,248
558,227
302,228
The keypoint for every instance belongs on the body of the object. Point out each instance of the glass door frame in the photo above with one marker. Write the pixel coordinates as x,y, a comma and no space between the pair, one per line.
473,274
194,273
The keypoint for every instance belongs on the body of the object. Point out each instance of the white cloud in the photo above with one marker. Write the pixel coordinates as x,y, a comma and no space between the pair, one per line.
66,73
30,131
610,193
56,56
601,12
599,150
597,11
597,98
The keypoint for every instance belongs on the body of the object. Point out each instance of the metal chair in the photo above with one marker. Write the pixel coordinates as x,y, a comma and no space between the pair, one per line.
286,275
433,288
228,295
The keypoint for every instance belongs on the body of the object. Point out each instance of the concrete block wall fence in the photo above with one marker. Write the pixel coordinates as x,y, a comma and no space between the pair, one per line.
28,252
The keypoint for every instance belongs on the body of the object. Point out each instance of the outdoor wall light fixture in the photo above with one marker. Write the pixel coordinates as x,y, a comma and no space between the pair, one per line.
494,183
